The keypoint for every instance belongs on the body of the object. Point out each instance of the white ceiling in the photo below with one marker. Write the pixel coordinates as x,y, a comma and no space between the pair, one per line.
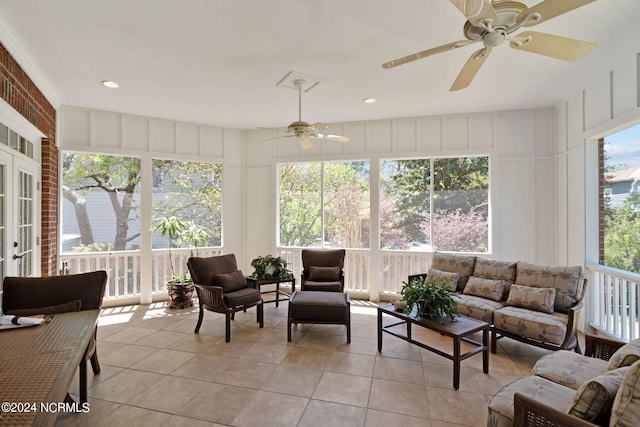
218,61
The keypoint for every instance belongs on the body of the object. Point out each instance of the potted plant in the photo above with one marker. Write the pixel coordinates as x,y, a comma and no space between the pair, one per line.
180,286
269,267
432,298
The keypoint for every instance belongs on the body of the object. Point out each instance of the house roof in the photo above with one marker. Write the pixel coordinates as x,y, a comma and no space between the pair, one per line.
630,174
217,61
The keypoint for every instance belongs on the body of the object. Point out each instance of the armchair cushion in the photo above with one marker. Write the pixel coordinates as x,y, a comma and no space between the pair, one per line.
75,305
450,279
538,299
204,270
594,399
569,368
231,281
487,288
244,296
324,274
626,405
626,355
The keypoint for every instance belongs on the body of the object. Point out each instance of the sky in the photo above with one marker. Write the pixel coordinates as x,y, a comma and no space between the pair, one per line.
623,147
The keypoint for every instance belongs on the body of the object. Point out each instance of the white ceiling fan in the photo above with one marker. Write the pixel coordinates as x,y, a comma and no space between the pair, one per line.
494,22
303,130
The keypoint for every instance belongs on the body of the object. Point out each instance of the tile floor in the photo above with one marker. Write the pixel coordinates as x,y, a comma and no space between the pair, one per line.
157,372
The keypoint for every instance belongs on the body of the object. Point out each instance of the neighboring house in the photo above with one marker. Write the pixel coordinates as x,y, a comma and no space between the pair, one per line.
619,185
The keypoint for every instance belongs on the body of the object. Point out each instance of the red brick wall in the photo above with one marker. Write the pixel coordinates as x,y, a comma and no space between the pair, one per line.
17,89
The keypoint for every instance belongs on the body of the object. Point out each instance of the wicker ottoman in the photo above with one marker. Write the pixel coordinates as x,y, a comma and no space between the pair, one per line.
319,307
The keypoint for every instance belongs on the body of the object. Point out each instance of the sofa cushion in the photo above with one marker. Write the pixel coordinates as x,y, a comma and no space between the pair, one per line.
496,270
545,391
324,274
477,307
450,279
626,405
538,299
594,399
626,355
231,281
569,368
567,281
455,263
486,288
549,328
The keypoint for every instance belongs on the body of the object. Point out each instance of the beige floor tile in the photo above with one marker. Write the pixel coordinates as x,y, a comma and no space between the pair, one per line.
129,335
203,367
123,387
266,352
106,372
469,409
267,409
351,363
169,394
309,357
217,403
98,410
406,371
293,380
197,343
163,361
323,414
333,388
127,416
161,339
399,398
386,419
246,373
178,421
127,356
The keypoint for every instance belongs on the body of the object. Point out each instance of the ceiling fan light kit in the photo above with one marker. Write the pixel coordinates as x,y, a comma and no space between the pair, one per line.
304,131
492,23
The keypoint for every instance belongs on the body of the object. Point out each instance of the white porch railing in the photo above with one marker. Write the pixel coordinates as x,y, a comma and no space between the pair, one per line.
613,301
123,268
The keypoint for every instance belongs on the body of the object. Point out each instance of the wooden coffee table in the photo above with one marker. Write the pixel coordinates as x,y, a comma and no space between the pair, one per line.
459,330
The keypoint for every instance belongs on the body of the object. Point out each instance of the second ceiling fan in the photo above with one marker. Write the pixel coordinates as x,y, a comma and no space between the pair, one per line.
492,23
303,130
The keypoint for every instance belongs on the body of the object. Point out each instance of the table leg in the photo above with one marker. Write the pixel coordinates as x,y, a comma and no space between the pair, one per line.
485,352
456,362
277,293
379,330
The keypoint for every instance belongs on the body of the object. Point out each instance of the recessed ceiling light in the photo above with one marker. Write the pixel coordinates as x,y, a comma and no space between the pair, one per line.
110,84
369,100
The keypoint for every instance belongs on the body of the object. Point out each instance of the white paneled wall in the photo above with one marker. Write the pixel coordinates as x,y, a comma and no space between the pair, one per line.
520,145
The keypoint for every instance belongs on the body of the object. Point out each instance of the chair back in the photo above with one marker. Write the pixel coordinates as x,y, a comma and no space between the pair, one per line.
203,270
322,258
37,292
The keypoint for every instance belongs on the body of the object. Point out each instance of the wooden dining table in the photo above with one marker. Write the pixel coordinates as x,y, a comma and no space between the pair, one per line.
37,366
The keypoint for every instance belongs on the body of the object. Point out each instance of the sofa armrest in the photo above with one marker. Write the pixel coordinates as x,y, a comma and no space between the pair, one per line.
529,412
600,347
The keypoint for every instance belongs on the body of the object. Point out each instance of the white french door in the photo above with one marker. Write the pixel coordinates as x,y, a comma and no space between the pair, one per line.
19,219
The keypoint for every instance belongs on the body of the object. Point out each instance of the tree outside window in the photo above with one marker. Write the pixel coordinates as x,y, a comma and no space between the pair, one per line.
439,204
324,204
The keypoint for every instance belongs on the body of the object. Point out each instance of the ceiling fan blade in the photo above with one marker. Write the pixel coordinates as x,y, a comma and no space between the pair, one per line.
275,138
317,127
554,46
477,11
337,138
305,142
427,52
470,69
550,9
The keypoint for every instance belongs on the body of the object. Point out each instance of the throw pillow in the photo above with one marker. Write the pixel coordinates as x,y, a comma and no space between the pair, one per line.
450,279
626,355
75,305
486,288
594,399
626,405
538,299
324,274
231,281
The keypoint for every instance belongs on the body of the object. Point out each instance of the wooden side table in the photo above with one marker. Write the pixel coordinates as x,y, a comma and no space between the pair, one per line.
257,283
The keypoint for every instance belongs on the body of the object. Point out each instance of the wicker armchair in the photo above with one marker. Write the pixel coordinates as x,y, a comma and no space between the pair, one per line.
26,296
531,413
222,288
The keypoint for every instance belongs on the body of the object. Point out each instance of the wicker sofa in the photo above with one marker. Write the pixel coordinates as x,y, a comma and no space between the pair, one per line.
601,387
535,304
